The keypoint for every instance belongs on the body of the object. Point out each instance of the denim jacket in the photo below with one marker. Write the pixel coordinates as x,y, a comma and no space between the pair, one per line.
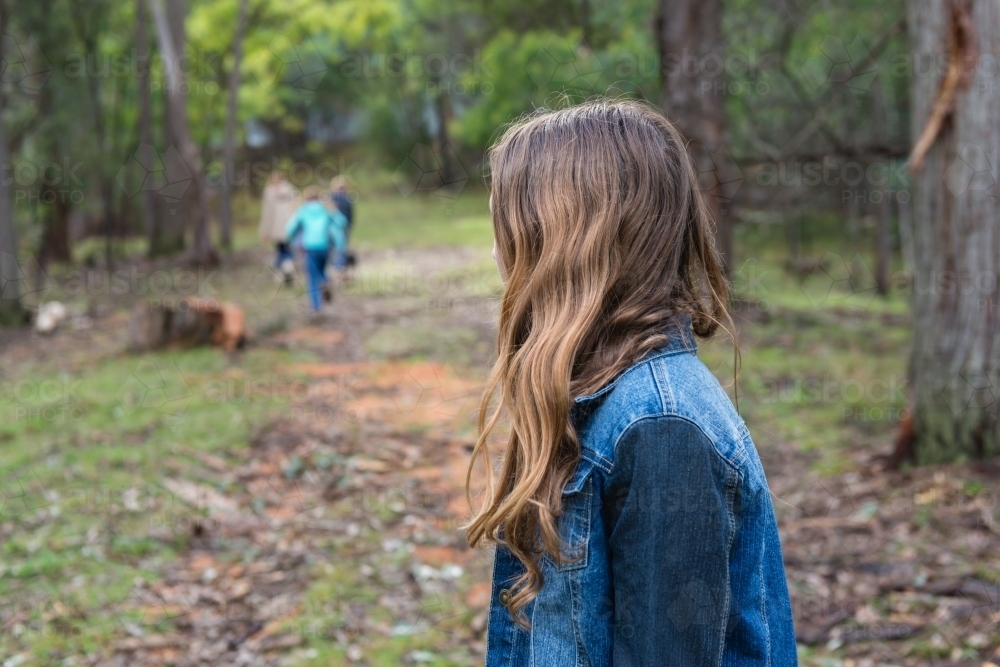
671,546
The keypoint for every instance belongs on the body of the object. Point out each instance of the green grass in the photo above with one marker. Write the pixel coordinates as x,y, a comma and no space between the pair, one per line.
423,221
80,481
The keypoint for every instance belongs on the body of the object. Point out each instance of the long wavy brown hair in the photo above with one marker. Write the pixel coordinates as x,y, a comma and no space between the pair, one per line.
604,239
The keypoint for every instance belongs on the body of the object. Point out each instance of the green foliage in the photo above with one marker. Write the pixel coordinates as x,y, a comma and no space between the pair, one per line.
392,75
526,71
829,60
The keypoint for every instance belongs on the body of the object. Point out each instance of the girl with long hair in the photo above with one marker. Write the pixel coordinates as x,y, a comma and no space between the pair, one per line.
632,520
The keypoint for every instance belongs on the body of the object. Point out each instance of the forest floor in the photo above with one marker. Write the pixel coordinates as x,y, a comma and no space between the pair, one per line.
300,502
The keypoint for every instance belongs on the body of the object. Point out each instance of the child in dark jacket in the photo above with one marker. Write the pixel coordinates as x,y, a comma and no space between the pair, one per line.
342,201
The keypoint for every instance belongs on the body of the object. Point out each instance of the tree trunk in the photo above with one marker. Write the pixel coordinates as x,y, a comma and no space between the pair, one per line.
55,202
11,276
171,213
905,231
883,250
692,51
201,251
150,220
443,102
106,179
55,239
956,345
229,149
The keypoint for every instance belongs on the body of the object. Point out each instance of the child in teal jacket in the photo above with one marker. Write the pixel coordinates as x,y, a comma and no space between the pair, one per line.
317,227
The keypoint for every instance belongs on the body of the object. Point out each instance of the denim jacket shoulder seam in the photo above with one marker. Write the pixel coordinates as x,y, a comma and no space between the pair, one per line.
734,465
763,612
634,367
665,391
597,459
730,499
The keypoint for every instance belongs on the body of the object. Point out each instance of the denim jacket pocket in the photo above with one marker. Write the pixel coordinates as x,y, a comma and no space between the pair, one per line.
574,522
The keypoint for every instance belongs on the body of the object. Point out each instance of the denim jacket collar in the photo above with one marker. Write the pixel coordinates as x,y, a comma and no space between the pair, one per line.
681,340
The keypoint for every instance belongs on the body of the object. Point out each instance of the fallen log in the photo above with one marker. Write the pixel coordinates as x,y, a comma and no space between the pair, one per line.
188,323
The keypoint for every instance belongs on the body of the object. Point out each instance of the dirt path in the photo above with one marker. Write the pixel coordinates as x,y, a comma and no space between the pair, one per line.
363,481
370,485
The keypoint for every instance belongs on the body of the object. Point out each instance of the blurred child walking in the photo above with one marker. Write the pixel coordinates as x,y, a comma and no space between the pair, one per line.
319,228
342,201
280,200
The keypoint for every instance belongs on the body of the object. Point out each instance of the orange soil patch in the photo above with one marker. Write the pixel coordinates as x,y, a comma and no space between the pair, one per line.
202,562
314,335
422,393
478,595
367,406
265,468
326,370
438,556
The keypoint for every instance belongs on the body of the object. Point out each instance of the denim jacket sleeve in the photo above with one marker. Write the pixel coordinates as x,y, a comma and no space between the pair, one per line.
671,521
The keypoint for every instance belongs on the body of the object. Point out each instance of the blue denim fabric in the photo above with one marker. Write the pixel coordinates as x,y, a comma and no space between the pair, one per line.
673,556
316,270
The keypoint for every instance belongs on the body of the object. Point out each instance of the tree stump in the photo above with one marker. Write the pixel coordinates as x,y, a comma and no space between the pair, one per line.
189,323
